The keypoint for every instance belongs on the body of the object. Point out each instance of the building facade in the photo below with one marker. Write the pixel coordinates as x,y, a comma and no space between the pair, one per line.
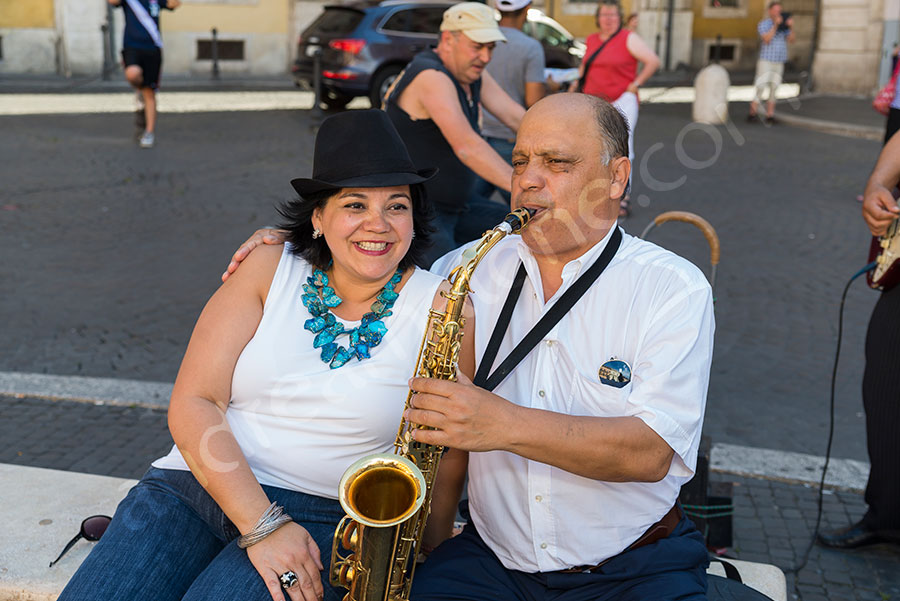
851,53
71,37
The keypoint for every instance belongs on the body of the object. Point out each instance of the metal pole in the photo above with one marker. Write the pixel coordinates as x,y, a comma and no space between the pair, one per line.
817,16
317,79
658,42
104,30
108,32
669,20
214,53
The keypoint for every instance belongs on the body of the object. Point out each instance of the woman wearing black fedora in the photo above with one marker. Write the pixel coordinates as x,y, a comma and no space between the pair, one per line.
297,367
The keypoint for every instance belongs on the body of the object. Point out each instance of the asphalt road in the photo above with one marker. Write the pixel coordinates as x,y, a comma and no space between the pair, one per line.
109,251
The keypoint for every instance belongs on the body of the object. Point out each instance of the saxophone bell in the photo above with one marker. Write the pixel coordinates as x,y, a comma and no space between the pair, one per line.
382,490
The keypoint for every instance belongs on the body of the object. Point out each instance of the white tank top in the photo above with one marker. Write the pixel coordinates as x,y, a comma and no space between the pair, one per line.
301,424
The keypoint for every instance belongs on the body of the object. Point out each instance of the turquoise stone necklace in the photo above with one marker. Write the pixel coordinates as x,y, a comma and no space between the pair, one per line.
320,298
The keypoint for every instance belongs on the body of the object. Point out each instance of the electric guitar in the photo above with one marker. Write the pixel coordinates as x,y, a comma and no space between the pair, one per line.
885,252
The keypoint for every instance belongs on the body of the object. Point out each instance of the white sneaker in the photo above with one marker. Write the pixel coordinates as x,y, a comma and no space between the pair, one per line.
147,140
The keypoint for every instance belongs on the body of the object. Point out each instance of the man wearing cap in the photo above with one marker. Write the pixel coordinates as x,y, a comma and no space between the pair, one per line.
518,66
435,105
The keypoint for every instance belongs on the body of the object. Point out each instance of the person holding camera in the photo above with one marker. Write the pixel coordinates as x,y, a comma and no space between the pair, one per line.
775,32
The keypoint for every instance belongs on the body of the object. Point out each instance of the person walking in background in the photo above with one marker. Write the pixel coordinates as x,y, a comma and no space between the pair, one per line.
775,32
610,70
881,379
518,66
142,56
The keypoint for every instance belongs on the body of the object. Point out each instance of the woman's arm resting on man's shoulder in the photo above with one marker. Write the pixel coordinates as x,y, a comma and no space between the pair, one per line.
197,421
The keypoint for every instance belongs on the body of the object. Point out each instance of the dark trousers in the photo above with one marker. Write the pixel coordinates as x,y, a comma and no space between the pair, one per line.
893,124
455,229
465,569
881,400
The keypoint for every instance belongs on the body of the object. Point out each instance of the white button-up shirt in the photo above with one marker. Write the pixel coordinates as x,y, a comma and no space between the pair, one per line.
649,308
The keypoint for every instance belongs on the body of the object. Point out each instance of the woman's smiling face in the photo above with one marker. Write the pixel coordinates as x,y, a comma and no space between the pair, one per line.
368,230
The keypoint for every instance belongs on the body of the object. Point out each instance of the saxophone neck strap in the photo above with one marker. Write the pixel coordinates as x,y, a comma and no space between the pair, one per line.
544,325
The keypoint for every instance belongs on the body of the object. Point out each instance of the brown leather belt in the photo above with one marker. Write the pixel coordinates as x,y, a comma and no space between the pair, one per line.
657,531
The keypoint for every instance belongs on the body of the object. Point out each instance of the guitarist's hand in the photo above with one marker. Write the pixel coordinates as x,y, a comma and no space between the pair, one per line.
879,209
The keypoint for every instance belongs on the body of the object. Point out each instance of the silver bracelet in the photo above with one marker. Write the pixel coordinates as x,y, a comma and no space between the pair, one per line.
271,520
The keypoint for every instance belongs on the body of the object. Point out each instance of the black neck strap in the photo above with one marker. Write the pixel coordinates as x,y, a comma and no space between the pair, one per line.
544,325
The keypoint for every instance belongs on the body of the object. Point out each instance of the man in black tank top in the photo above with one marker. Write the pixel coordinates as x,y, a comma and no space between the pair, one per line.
434,105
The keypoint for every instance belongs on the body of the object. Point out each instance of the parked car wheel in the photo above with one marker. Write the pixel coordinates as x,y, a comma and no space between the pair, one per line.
381,82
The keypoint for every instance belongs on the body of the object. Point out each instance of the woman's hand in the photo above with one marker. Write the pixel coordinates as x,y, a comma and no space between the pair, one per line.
289,548
260,236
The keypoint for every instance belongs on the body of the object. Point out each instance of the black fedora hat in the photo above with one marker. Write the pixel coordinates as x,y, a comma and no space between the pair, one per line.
360,149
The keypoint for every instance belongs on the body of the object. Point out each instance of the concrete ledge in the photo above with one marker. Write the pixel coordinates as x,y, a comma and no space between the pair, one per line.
43,510
47,507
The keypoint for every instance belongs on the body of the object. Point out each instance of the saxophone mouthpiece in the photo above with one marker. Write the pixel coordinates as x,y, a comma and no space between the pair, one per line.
517,220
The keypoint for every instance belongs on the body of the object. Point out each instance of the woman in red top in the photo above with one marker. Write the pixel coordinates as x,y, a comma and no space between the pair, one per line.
613,75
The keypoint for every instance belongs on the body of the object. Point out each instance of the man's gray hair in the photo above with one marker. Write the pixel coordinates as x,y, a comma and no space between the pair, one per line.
613,129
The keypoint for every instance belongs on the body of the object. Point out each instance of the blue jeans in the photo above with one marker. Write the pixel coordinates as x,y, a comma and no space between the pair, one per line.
464,568
504,148
169,540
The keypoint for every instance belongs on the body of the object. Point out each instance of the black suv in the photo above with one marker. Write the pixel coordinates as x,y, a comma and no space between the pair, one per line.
364,45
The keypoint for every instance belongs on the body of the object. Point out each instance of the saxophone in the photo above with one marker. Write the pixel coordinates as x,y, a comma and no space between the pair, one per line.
387,496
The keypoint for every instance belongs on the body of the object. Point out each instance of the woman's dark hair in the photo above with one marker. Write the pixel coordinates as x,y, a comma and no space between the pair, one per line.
297,216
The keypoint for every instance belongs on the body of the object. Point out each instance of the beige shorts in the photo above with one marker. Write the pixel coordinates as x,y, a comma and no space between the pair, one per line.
768,76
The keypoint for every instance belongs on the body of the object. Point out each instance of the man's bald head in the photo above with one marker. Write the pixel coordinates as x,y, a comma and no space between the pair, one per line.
570,112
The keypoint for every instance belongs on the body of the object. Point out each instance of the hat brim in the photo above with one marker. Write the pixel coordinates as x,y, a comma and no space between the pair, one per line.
485,36
305,186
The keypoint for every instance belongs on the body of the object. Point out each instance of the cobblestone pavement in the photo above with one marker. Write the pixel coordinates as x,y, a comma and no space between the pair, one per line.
772,521
113,250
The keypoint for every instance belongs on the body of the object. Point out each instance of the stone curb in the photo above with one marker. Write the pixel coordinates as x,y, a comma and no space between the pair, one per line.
99,391
833,127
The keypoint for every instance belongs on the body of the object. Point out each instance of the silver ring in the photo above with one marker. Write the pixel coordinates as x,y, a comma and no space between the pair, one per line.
288,580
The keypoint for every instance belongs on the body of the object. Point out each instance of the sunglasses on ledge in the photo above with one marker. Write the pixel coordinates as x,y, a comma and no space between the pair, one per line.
92,529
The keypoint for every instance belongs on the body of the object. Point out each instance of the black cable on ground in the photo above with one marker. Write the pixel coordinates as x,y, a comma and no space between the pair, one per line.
837,355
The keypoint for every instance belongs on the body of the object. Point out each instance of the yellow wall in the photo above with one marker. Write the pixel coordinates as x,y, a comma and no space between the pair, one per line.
744,27
263,16
27,13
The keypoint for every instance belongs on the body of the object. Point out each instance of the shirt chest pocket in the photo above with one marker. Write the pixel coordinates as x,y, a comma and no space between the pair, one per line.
591,395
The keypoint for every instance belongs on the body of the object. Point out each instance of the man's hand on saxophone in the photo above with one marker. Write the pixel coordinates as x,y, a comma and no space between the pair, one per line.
464,416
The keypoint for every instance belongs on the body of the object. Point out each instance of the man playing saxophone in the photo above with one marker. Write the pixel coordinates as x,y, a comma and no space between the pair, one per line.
577,457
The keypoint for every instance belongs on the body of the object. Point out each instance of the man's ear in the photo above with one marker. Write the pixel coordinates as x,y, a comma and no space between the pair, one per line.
618,185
